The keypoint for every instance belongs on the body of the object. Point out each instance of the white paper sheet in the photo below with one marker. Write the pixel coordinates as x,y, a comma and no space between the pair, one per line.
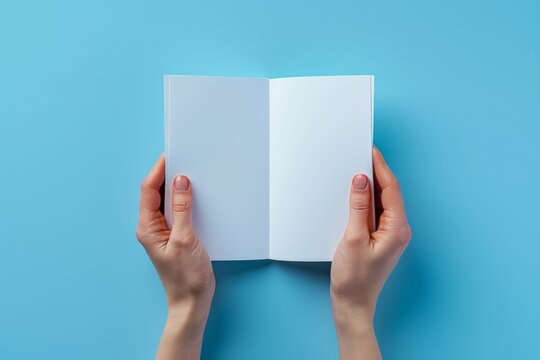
320,136
270,161
216,132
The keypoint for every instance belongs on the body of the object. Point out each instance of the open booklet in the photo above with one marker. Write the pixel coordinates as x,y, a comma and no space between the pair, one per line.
270,160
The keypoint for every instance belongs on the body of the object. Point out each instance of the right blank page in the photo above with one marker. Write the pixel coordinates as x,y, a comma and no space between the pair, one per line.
320,136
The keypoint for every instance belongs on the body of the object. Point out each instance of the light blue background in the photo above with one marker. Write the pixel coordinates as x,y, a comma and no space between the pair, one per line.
81,122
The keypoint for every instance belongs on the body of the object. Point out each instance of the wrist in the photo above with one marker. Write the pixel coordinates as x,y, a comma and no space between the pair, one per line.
355,324
187,316
352,318
355,330
183,332
189,311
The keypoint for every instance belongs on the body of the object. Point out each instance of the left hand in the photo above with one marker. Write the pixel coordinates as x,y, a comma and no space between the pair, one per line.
181,261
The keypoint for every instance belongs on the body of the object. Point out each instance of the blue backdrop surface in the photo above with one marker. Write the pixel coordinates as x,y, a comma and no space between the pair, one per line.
81,122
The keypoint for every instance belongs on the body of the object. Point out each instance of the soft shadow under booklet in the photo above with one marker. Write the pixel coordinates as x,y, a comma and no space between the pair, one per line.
270,160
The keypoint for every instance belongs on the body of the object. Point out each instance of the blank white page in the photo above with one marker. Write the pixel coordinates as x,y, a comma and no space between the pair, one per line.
320,136
216,132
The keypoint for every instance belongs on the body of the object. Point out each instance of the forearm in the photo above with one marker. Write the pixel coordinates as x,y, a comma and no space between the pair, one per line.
356,335
182,335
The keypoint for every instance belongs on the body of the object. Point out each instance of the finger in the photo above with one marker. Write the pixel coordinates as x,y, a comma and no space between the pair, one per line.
359,208
182,203
150,196
391,199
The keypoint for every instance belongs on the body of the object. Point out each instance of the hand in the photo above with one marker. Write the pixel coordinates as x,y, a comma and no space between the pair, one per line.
181,261
365,258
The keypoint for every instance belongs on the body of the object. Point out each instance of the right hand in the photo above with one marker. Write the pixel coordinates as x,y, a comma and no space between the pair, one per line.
365,257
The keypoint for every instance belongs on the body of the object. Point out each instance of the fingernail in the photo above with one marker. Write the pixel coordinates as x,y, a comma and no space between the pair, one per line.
360,182
181,183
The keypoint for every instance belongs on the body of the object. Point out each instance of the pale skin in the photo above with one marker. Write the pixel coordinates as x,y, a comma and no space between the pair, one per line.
364,259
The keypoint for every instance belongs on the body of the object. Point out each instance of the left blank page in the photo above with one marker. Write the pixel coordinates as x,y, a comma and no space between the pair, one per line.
216,132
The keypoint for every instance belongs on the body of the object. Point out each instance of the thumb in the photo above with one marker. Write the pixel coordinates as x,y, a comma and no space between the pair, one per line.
359,208
182,204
